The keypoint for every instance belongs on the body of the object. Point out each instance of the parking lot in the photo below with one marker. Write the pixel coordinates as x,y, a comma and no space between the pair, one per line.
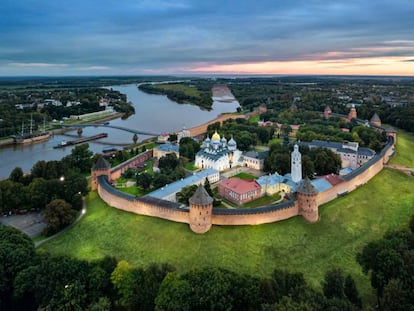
30,223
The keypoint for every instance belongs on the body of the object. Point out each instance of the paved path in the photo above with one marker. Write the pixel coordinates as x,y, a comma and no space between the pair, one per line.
82,213
401,168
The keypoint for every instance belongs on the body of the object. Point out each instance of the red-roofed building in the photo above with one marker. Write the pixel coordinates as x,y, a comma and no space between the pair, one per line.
332,179
239,190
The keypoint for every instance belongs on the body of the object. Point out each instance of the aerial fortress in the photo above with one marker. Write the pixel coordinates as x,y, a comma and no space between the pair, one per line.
201,215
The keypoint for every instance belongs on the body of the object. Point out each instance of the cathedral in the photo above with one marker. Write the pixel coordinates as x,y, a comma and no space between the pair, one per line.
218,153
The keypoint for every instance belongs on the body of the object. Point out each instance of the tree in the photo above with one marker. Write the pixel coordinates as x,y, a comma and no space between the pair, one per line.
55,283
168,163
160,180
16,175
389,258
80,158
146,285
122,281
144,180
411,225
186,193
351,291
38,193
57,214
173,294
333,284
172,137
207,186
16,254
210,289
188,148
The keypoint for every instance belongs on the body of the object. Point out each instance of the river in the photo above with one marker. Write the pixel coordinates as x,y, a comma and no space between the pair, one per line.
153,113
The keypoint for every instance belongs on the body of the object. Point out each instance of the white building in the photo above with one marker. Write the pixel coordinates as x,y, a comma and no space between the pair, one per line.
296,164
183,133
351,154
218,154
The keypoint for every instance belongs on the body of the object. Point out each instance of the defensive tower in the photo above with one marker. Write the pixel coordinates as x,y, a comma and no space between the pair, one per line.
306,196
352,113
101,167
201,207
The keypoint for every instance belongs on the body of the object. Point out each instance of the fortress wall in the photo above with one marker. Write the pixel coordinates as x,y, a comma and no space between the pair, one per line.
374,166
131,163
255,219
142,208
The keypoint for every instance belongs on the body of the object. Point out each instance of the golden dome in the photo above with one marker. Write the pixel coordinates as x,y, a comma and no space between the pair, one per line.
215,136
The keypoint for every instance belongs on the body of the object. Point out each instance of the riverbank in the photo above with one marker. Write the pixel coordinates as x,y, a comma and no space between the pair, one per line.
62,130
202,128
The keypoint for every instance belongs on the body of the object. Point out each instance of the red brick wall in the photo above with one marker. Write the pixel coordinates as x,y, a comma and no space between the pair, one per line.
131,163
255,219
142,208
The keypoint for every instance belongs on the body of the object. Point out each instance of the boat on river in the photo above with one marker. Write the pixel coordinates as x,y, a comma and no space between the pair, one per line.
80,140
31,137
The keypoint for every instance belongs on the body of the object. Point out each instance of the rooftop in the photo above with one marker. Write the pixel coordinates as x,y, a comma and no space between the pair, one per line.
168,148
179,184
240,185
101,164
306,187
201,197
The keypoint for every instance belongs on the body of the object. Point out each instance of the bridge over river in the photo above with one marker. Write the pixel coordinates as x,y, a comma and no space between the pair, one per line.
134,131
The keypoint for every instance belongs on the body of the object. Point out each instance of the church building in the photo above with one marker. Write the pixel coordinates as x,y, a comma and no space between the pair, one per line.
218,153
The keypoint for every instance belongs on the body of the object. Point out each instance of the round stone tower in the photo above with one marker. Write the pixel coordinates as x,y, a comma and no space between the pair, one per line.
101,167
306,196
375,120
327,112
201,207
352,113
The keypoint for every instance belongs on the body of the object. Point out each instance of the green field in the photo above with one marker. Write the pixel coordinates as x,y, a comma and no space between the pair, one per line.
405,149
187,90
345,226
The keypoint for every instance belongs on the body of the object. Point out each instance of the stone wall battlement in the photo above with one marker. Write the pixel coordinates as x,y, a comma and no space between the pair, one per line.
179,213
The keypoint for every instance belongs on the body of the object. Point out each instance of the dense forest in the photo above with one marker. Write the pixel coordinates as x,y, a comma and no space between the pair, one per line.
40,281
196,92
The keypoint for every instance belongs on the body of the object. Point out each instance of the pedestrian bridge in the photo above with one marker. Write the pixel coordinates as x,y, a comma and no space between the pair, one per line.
126,129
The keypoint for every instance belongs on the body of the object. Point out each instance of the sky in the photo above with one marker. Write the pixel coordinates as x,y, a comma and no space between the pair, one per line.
191,37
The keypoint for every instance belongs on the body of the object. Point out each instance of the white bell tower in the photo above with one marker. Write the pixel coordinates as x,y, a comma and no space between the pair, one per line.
296,164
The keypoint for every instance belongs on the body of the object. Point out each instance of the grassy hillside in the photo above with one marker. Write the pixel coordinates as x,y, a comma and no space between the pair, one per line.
346,225
405,149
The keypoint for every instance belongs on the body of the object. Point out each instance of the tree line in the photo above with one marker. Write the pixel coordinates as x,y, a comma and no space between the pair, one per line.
315,161
52,187
204,100
31,280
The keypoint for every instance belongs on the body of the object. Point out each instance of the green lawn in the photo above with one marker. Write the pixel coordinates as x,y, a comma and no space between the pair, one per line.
190,166
346,225
405,149
275,141
254,120
263,201
244,176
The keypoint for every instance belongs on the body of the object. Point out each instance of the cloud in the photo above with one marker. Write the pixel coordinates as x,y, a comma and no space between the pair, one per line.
37,65
156,35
